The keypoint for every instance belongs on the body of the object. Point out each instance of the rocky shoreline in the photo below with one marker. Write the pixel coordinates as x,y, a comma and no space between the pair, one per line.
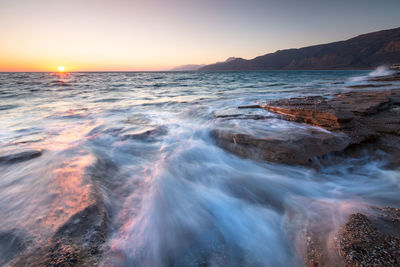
351,119
370,237
80,241
340,126
347,123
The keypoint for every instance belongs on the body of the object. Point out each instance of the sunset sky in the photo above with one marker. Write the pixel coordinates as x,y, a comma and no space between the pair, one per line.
100,35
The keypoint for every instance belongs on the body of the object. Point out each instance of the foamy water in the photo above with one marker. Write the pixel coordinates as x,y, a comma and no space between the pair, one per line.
142,141
378,72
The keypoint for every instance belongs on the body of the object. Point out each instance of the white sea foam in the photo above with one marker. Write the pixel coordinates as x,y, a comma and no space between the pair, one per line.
175,198
379,71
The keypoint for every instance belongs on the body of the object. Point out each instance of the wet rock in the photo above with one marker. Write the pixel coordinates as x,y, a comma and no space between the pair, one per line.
77,243
361,115
297,149
313,110
316,251
311,225
20,157
334,113
386,121
228,113
372,239
351,118
385,150
362,103
251,112
80,240
371,85
149,135
391,78
249,106
367,238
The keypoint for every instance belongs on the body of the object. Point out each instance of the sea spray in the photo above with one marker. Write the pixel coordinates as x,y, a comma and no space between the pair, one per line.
379,71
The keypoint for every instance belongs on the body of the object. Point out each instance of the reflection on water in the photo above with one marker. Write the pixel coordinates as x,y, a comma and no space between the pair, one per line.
39,197
141,141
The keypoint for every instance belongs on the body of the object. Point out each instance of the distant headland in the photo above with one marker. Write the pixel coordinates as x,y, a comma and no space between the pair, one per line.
365,51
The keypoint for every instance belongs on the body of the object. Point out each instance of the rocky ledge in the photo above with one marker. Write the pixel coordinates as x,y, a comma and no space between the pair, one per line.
77,243
349,119
344,125
81,240
370,238
390,78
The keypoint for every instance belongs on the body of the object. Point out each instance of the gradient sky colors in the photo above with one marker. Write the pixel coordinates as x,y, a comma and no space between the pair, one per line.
100,35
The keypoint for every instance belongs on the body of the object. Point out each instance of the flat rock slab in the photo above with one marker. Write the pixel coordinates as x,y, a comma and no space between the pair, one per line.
362,103
297,144
335,112
312,110
349,119
358,114
20,157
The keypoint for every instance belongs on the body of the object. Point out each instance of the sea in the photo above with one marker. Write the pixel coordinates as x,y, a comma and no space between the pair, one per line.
141,142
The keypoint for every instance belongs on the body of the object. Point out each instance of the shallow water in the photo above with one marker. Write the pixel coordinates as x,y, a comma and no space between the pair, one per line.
142,142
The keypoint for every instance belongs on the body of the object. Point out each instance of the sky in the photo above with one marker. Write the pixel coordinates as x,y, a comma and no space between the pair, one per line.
130,35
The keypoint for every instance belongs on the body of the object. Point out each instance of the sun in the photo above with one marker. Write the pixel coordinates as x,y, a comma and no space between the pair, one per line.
61,68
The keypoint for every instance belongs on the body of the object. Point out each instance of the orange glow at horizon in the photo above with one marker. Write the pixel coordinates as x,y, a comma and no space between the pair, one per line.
156,35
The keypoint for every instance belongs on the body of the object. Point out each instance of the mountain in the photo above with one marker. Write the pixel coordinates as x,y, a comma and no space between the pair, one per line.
193,67
229,59
189,67
362,52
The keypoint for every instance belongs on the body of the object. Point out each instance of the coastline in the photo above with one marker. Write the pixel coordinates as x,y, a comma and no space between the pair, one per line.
355,122
323,171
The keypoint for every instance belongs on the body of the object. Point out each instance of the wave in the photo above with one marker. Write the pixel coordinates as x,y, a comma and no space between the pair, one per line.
379,71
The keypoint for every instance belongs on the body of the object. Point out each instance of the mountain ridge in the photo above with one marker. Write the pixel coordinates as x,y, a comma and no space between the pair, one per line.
364,51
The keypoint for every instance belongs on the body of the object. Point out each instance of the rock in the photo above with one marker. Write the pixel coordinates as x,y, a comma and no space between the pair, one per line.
371,85
80,240
77,243
371,240
391,78
250,112
367,238
149,135
20,157
362,116
312,110
334,113
316,252
249,106
385,149
298,149
228,113
351,119
362,103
